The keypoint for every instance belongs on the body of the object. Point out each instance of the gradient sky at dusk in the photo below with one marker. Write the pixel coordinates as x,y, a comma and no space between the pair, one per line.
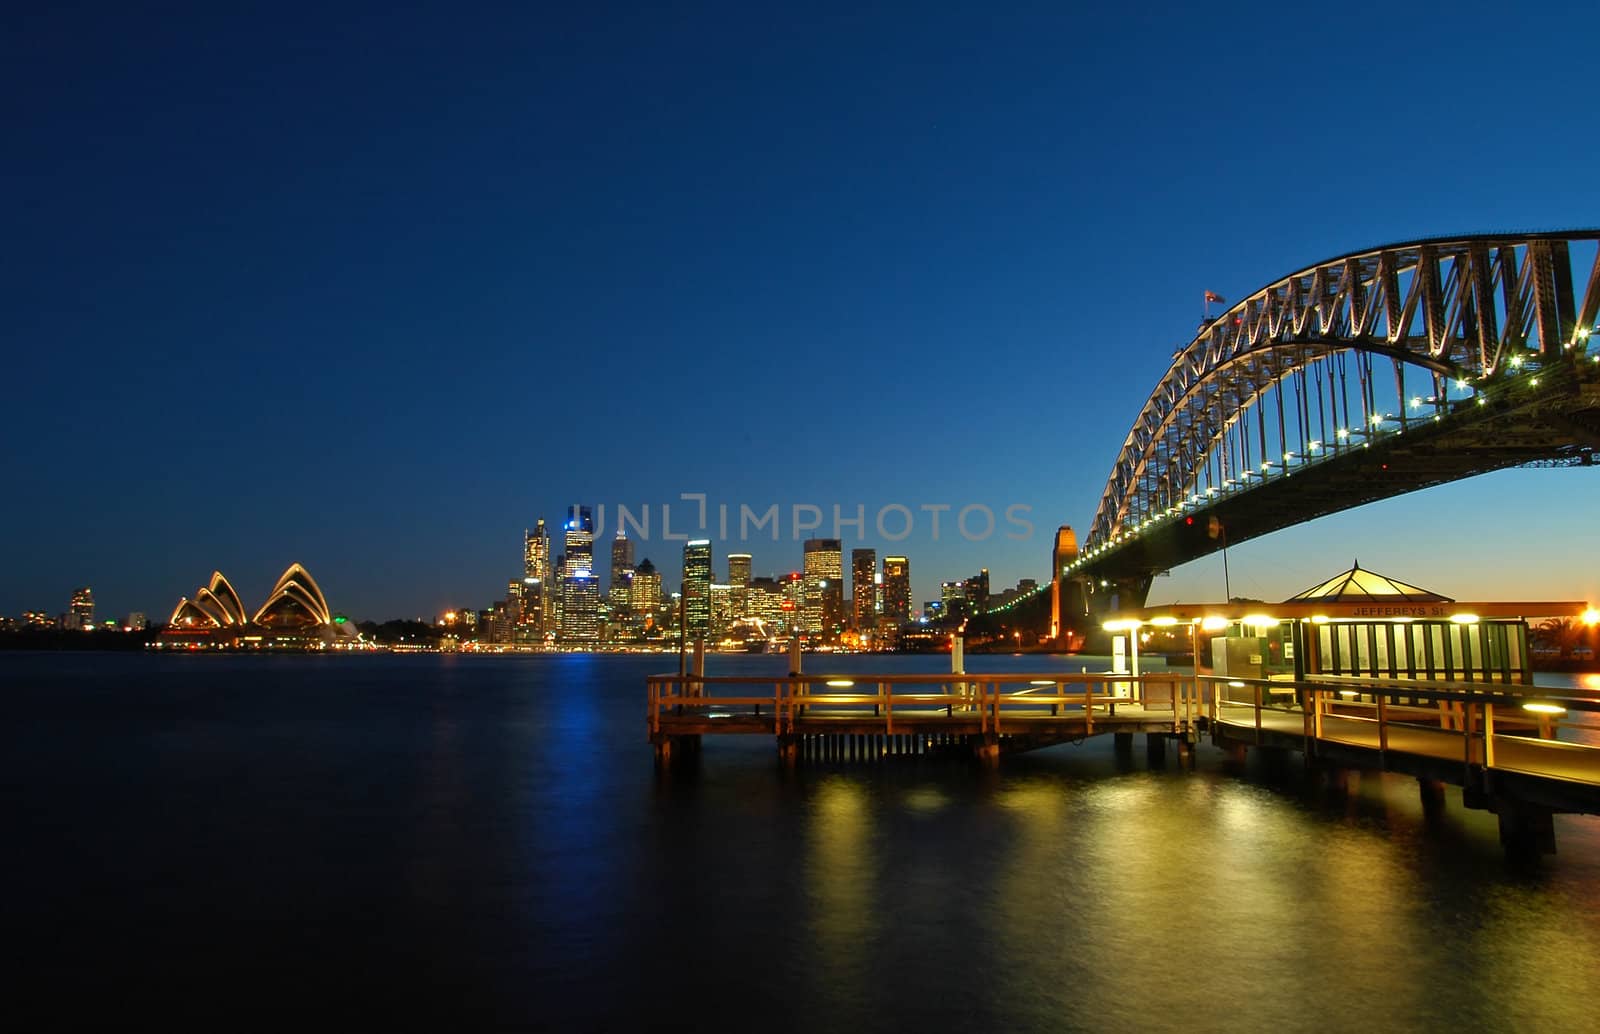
374,289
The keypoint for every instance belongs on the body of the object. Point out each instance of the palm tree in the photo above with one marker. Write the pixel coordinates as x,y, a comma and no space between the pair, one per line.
1562,632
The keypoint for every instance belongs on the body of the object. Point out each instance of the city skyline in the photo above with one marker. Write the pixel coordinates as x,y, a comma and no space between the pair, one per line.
901,264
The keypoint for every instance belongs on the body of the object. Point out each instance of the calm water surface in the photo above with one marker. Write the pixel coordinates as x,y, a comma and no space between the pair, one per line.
462,842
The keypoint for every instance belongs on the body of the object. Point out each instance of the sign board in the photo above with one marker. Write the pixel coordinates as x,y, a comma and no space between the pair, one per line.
1119,654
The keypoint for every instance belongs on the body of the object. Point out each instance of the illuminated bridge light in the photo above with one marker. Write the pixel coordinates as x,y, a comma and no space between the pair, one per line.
1416,402
1342,433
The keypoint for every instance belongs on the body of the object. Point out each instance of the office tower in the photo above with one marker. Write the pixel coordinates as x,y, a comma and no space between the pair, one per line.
739,580
824,587
897,588
536,617
723,613
644,595
500,629
697,587
794,601
764,599
863,593
580,612
620,592
953,599
978,592
82,608
514,610
580,586
137,621
579,531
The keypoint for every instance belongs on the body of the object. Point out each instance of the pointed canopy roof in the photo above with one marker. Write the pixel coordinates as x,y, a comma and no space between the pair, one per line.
1360,586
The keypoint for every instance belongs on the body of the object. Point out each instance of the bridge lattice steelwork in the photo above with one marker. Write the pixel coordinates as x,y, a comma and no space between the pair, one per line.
1394,368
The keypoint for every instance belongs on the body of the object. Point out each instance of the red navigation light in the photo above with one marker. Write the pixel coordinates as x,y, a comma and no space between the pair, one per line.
1188,520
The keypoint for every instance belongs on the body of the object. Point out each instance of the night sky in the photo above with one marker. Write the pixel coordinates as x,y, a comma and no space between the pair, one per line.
373,290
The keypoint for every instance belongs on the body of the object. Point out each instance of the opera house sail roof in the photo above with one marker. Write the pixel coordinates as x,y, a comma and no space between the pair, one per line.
295,607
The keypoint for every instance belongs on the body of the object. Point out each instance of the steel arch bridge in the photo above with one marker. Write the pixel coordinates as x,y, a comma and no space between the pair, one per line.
1356,379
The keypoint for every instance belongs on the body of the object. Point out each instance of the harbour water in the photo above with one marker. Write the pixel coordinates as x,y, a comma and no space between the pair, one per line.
481,842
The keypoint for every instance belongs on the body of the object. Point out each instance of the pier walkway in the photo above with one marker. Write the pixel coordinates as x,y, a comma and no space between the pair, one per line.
1523,752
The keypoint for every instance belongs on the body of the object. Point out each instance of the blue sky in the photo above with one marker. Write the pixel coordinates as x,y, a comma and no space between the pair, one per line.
373,289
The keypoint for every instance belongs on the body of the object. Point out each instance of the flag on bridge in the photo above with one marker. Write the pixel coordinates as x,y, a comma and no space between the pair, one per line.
1212,296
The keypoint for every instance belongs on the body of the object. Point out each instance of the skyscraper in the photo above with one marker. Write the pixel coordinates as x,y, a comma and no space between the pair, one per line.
82,609
824,587
580,587
697,587
739,581
897,588
977,592
953,597
515,613
645,594
621,574
863,593
536,581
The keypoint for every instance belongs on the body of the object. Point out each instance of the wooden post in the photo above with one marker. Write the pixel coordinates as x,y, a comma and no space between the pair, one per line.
1383,725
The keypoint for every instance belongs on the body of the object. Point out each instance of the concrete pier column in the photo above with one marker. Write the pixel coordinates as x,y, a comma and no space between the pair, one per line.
1526,830
1155,749
1432,793
1122,742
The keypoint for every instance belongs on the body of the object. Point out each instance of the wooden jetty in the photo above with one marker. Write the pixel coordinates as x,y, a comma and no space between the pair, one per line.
1522,752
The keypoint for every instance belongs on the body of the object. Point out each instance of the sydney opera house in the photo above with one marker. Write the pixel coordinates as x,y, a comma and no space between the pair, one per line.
296,614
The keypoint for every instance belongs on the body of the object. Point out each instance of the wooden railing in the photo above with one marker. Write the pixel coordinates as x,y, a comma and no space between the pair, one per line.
1528,729
993,699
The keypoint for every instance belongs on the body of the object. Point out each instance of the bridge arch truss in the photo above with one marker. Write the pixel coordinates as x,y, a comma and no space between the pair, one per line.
1338,355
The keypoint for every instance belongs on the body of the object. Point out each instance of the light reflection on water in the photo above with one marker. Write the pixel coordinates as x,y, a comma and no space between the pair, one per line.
485,840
